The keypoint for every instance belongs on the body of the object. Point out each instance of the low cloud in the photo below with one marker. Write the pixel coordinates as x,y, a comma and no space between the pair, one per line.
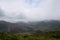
31,10
1,13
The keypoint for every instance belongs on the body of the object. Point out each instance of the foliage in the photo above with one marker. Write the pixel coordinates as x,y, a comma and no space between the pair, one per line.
52,35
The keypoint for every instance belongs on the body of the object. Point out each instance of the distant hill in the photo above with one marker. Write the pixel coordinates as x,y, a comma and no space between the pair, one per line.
46,25
19,27
13,27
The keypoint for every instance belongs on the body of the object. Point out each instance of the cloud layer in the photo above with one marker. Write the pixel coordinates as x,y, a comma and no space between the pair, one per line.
30,10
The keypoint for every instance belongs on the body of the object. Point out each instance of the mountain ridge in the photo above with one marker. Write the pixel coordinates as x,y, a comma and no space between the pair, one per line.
31,27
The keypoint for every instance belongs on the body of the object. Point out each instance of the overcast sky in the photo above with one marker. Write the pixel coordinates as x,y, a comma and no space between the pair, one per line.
29,10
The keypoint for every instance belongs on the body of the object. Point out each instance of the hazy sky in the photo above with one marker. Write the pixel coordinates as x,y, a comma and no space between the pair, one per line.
29,10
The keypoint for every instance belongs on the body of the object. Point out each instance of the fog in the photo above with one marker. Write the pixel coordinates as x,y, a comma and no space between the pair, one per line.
29,10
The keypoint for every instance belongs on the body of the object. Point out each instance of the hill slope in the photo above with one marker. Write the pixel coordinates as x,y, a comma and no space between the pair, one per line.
29,27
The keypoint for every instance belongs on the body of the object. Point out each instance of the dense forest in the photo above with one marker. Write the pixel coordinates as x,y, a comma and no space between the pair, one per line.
52,35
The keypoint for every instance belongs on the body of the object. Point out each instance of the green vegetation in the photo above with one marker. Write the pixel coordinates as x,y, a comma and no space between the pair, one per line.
51,35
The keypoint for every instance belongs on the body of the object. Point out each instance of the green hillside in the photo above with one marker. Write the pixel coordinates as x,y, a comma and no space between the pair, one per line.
52,35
